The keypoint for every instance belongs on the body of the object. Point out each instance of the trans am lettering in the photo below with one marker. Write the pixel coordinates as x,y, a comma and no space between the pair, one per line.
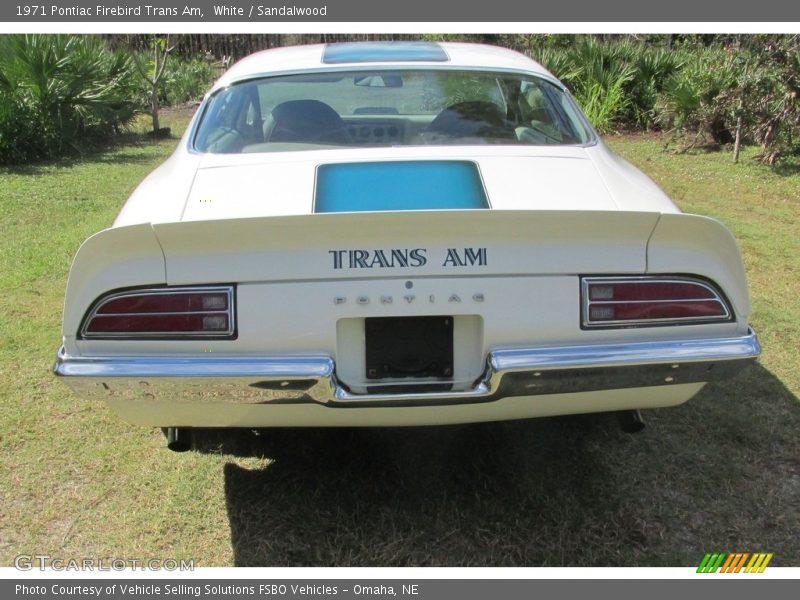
378,259
405,258
467,258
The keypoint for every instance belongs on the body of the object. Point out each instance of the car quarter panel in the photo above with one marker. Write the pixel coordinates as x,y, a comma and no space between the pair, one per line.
705,247
113,259
161,197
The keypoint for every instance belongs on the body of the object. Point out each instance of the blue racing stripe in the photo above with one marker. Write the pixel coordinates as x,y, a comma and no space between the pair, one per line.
405,185
355,52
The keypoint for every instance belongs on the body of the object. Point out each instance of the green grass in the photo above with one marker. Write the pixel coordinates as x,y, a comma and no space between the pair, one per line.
720,473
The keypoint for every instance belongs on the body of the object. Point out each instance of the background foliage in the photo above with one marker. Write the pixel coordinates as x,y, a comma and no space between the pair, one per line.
698,89
59,93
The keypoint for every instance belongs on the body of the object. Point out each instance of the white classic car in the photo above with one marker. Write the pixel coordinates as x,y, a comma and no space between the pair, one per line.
389,234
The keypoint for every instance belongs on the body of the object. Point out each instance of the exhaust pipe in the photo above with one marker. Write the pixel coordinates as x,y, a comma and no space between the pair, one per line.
630,421
179,439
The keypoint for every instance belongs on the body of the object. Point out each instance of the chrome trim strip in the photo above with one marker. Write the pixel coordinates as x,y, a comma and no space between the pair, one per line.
586,302
593,302
163,314
160,291
312,379
621,355
194,367
480,393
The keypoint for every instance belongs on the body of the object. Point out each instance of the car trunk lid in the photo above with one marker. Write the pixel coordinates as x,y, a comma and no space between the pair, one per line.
428,179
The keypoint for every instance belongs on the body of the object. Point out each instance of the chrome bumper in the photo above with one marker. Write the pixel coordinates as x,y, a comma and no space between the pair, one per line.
312,379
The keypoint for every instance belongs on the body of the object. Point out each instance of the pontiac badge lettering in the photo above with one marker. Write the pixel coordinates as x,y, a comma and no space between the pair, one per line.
406,257
453,298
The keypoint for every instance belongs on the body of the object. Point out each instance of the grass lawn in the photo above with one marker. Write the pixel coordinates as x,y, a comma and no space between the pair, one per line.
721,473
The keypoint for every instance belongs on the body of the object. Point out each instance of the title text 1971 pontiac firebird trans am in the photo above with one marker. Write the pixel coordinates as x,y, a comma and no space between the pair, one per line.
398,234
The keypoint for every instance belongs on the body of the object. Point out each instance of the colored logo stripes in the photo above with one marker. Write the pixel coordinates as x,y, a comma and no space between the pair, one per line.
735,562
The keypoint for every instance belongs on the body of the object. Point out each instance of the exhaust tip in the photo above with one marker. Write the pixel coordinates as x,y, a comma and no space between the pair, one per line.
630,421
179,439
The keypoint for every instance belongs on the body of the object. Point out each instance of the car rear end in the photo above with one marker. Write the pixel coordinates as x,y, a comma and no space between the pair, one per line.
357,242
402,318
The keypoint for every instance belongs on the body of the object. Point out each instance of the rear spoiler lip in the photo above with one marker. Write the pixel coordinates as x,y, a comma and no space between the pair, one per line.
298,248
302,247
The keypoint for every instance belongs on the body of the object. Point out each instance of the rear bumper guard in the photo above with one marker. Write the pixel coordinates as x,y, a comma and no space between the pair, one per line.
304,379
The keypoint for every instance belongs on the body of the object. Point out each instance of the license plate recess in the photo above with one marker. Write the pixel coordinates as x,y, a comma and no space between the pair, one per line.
409,347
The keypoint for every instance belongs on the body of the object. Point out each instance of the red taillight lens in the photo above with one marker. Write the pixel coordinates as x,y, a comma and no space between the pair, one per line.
171,302
650,301
167,312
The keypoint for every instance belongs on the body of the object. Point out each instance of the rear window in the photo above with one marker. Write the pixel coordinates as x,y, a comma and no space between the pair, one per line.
388,108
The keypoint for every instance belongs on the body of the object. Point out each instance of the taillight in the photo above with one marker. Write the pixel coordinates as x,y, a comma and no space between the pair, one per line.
163,312
626,301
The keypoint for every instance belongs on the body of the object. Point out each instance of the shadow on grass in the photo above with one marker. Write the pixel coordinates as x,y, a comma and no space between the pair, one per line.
720,473
111,153
788,168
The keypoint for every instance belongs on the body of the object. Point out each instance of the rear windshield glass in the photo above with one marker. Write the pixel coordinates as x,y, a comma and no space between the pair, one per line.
388,108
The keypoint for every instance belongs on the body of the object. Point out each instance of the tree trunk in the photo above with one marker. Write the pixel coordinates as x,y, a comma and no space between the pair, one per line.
154,108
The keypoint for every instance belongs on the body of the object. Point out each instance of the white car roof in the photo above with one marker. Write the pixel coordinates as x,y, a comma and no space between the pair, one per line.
297,59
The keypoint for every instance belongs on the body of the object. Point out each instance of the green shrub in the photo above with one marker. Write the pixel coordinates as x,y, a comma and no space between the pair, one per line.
23,133
186,81
653,69
59,94
615,82
699,98
597,74
705,90
603,102
770,94
183,81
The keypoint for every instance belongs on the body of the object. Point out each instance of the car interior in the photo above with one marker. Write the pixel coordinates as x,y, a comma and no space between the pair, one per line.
243,124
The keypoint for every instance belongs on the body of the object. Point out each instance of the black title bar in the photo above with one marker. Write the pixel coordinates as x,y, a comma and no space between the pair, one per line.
391,589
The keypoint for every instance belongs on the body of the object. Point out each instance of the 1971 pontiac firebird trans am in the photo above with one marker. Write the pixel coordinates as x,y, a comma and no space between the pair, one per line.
389,234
